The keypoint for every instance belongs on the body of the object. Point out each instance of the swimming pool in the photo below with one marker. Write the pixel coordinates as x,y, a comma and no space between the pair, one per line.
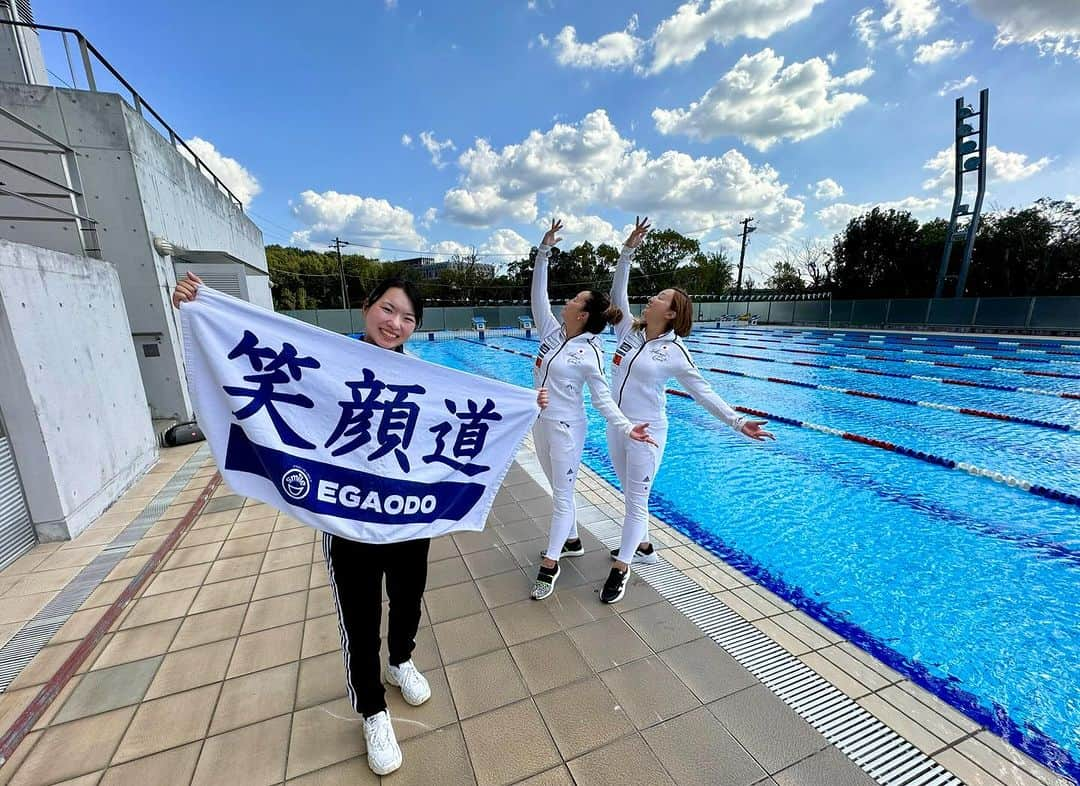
966,583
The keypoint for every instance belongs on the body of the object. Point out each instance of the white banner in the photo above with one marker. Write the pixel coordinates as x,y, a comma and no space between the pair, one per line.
344,436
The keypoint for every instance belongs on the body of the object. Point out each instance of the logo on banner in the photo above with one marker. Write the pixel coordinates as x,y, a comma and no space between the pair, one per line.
295,483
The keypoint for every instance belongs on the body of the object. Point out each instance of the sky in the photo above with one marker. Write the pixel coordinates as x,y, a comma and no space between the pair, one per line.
416,128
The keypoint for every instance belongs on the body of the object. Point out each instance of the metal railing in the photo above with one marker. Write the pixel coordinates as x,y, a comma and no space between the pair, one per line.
88,55
71,190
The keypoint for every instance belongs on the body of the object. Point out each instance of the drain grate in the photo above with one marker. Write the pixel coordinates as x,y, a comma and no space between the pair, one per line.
35,634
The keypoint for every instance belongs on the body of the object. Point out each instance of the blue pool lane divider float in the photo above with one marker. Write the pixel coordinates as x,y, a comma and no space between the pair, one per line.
930,458
1041,346
1070,349
916,361
893,374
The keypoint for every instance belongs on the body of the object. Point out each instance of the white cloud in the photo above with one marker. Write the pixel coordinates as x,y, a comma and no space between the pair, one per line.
428,218
356,218
866,27
907,19
505,244
435,147
406,140
1001,165
904,20
835,217
480,206
577,229
832,57
763,102
391,4
685,35
448,248
940,50
828,189
588,165
957,85
1051,26
531,5
613,50
228,170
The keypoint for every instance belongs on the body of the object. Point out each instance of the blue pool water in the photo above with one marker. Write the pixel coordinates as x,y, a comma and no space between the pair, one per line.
969,587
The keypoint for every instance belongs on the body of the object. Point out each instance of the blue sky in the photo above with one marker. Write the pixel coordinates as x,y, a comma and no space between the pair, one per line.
438,126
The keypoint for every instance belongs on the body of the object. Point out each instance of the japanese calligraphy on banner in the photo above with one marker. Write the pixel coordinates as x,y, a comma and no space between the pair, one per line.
346,437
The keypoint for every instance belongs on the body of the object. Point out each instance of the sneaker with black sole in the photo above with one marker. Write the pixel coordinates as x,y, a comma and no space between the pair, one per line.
572,548
545,582
615,586
645,557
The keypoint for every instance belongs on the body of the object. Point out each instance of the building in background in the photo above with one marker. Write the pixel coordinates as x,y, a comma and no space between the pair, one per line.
103,208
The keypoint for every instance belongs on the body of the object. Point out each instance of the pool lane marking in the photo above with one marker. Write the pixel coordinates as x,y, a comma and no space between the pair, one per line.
931,458
882,358
971,343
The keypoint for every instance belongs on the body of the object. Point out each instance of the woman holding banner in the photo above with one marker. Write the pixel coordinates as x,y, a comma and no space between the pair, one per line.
392,312
569,358
649,353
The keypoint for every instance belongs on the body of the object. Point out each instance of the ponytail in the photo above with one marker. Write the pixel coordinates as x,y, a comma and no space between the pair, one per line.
601,312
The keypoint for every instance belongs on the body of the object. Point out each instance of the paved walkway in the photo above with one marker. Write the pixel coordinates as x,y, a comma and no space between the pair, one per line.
226,667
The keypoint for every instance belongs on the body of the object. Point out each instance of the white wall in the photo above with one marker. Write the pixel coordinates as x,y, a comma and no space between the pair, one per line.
70,387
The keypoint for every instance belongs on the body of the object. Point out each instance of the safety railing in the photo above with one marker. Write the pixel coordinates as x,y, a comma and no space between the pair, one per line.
88,55
70,191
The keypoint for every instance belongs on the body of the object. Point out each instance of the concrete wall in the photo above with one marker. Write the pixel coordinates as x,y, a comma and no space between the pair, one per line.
137,187
70,388
20,51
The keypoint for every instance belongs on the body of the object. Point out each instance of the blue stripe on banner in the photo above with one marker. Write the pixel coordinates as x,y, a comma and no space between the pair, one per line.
329,490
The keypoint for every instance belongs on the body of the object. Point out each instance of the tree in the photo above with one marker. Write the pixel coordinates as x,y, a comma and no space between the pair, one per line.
1034,251
872,256
707,274
785,278
658,257
812,259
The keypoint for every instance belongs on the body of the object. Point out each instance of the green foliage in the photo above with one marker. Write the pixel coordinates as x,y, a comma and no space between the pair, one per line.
1033,251
785,278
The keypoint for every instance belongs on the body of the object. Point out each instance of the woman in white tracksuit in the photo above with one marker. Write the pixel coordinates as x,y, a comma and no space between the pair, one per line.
649,352
568,359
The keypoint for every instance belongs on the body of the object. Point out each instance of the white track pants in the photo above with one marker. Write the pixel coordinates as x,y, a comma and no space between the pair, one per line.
558,446
636,465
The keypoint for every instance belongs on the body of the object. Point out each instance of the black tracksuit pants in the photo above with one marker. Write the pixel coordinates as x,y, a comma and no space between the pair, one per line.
356,577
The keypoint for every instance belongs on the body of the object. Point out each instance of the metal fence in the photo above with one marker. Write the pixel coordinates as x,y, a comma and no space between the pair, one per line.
1057,315
84,74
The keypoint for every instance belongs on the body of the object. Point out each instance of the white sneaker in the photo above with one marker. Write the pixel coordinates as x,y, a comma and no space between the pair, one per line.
383,753
414,687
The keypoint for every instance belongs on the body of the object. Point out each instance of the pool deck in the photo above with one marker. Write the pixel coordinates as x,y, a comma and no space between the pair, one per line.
225,666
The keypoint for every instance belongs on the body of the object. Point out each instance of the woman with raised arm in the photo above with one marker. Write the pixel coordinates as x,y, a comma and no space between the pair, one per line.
648,353
569,358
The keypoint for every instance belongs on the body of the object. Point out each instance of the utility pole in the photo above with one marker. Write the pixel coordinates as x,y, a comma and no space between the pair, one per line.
336,245
746,230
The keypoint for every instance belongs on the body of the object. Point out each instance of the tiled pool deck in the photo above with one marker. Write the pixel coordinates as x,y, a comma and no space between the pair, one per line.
225,667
